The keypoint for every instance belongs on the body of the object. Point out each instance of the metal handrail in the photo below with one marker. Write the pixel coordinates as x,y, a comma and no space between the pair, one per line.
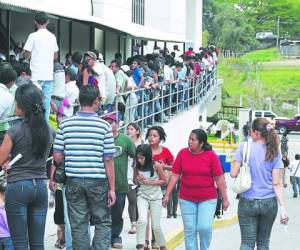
192,94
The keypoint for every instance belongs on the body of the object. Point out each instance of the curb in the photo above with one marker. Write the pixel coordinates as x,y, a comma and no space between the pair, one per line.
176,238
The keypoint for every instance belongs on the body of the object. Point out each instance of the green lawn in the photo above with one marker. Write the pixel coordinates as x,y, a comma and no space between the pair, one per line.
265,55
249,78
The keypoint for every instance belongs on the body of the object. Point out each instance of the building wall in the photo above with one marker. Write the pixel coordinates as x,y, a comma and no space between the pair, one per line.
167,15
194,23
113,10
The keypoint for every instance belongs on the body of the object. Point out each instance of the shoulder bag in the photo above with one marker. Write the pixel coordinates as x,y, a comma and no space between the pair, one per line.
243,181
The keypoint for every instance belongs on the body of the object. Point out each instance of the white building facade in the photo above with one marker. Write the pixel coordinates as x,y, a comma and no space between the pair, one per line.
109,26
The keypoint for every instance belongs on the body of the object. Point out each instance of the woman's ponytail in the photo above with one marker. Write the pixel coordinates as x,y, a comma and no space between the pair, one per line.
268,133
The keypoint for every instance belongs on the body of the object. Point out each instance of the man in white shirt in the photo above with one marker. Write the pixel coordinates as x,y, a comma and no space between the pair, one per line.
295,175
7,79
59,90
41,47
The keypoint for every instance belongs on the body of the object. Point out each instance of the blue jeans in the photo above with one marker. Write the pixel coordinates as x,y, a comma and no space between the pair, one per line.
256,218
47,87
116,218
68,232
26,207
68,235
296,184
87,203
6,244
198,218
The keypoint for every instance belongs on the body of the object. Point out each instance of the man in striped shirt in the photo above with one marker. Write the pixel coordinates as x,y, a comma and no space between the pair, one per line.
86,143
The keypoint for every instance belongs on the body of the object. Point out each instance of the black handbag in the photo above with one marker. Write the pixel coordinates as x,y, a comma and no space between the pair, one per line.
60,173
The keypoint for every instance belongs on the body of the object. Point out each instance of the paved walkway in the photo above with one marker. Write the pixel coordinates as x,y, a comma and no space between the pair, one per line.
178,130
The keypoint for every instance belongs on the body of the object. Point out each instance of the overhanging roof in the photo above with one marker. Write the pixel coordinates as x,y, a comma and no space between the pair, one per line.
131,29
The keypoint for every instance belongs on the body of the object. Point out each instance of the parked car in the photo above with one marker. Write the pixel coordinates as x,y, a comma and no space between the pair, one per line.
288,125
263,113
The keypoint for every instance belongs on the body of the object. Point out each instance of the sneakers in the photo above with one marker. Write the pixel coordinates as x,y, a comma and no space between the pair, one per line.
117,245
295,195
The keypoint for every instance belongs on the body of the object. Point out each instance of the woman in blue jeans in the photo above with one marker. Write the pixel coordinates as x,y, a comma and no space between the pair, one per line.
258,207
200,171
26,192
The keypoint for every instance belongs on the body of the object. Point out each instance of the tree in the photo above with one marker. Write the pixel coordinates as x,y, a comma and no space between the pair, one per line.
232,24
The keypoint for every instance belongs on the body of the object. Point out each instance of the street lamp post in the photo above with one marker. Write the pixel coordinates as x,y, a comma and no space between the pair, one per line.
269,100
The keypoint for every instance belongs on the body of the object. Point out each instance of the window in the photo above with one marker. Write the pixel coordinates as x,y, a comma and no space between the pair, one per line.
138,11
269,114
258,114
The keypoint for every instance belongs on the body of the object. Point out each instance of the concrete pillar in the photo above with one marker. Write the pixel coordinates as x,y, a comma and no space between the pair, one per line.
194,23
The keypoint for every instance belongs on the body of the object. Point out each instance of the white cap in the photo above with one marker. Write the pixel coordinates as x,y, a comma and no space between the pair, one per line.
125,68
100,57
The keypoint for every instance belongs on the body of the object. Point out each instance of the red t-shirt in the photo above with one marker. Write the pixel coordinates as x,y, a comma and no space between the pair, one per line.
165,156
197,173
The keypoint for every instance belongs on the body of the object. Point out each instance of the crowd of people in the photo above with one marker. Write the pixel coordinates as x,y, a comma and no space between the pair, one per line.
161,80
95,166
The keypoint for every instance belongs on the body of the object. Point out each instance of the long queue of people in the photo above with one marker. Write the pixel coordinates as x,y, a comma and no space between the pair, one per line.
99,166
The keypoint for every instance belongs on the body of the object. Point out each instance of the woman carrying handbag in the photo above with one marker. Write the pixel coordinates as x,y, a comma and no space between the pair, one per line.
258,207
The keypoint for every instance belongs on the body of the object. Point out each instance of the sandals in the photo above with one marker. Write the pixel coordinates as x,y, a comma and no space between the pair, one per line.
60,244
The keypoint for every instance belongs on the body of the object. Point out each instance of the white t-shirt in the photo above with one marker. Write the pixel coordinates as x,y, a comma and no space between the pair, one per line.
42,45
168,72
59,88
293,168
72,94
6,101
111,85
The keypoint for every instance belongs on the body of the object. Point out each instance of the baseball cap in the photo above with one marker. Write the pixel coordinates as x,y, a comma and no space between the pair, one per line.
91,54
125,68
112,117
100,57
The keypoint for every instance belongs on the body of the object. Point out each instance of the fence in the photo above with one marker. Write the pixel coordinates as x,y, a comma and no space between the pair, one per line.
150,107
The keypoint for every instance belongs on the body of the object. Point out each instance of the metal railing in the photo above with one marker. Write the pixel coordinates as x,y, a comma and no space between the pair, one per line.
151,107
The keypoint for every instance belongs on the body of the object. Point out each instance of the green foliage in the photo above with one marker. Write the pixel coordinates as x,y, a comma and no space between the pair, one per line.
205,38
281,83
232,24
266,55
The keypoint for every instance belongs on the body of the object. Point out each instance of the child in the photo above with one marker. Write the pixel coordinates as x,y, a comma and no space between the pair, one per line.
5,240
72,91
150,177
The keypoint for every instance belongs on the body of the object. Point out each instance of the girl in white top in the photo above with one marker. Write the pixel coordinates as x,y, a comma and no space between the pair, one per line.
150,177
72,91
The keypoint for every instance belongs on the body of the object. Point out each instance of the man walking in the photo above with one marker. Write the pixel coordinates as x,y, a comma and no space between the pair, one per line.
295,175
86,143
125,148
41,47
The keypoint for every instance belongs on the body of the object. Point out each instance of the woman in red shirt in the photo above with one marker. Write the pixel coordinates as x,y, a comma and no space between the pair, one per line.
199,169
155,136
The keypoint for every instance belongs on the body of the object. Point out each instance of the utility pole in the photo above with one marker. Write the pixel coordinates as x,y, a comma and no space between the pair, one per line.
277,40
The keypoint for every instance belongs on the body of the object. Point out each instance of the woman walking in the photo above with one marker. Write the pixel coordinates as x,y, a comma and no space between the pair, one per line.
258,207
199,169
26,194
134,132
149,175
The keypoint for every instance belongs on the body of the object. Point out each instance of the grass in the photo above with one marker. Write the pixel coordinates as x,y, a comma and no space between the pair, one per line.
265,55
248,77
